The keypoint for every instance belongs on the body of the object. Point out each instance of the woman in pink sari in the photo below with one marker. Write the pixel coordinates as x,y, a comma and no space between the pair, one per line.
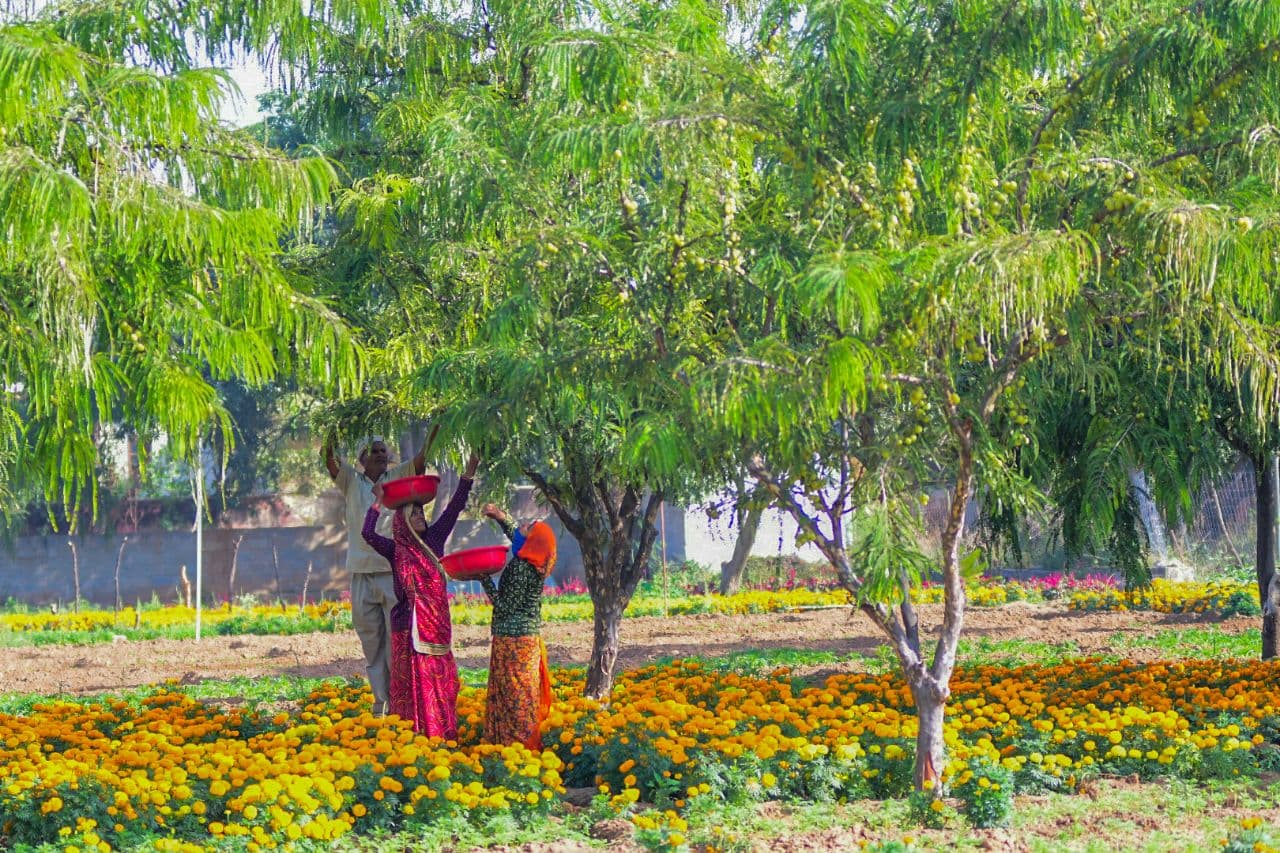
424,675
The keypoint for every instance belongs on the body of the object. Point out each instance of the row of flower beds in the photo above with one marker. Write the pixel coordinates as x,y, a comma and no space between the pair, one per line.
336,615
180,774
1096,592
1216,598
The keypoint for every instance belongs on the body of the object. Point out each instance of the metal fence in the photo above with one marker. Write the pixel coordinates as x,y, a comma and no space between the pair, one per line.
1224,523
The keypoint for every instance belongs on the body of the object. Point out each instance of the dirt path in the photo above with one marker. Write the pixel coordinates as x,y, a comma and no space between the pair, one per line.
97,668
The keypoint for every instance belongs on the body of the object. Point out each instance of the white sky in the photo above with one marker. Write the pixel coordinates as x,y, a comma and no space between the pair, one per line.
240,111
243,110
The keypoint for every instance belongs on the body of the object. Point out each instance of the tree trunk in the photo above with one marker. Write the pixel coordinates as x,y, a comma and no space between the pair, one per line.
75,575
616,527
119,560
1265,551
1150,514
932,688
613,573
231,573
611,587
930,746
731,571
604,648
275,567
306,582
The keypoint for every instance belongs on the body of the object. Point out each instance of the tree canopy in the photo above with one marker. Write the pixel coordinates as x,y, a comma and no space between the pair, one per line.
141,260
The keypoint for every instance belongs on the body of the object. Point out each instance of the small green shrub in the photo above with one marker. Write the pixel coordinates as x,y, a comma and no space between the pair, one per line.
987,794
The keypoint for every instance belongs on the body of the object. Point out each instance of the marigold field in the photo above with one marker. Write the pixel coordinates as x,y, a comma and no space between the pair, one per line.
683,755
171,772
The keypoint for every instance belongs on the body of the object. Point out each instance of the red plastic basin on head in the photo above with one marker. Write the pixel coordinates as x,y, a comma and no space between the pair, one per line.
420,489
475,562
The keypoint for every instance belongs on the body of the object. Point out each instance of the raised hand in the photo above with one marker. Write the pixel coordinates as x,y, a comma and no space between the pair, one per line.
472,464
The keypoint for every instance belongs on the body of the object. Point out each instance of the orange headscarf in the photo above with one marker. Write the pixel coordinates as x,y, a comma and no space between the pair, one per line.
539,548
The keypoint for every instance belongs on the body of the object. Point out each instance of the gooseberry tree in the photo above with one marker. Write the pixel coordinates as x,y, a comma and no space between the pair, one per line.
141,254
552,222
982,188
1162,410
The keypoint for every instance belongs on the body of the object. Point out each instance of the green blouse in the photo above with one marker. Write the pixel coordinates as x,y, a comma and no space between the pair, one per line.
517,597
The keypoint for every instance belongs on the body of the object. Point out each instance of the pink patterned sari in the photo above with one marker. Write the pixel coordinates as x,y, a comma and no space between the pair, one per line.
424,675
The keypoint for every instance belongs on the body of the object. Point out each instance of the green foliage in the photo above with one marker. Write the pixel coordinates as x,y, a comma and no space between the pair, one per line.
552,213
987,794
1240,603
888,769
279,624
141,262
987,651
762,662
1207,642
885,546
1217,762
1251,840
929,810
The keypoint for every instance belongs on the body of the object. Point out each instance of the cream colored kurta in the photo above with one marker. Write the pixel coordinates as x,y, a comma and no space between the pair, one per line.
358,491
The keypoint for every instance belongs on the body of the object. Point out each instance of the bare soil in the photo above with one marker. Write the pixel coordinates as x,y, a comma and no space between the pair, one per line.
104,667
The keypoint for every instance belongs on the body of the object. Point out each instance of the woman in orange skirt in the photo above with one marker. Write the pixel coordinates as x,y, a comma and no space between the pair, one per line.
519,681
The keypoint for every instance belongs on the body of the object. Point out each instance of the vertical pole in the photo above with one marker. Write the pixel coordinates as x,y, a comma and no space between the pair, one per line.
662,525
199,484
1275,475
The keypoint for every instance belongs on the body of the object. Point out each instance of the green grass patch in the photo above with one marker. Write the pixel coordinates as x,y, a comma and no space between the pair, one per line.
759,662
23,639
279,625
457,834
241,691
989,651
1210,641
984,651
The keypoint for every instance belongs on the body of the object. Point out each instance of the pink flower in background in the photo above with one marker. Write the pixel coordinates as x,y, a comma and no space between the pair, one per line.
572,586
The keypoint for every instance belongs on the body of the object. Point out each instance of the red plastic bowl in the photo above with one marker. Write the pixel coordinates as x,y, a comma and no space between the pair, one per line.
421,489
475,562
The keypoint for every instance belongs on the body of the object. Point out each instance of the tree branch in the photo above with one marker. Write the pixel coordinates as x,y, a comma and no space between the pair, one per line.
1197,150
605,496
773,485
1018,354
648,535
573,524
